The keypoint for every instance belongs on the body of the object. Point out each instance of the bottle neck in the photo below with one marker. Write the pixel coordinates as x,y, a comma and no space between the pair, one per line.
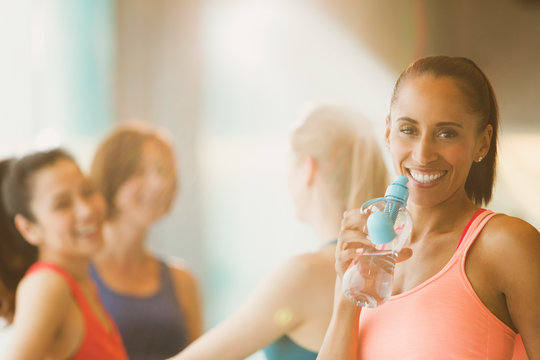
386,198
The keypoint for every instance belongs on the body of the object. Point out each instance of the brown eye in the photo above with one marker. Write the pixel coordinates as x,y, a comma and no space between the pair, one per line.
62,204
447,133
407,130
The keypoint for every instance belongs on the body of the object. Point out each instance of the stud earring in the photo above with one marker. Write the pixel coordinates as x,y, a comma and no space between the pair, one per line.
480,158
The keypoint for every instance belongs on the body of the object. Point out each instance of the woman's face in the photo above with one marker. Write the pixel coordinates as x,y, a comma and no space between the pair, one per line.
433,138
68,211
148,194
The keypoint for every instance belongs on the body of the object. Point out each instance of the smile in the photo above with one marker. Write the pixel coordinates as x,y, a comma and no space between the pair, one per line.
87,230
425,178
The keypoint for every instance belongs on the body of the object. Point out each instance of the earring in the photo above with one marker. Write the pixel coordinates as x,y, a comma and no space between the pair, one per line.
479,158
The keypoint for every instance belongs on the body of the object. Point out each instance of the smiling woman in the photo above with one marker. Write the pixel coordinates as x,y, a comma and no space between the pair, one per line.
464,108
473,270
154,301
436,153
53,216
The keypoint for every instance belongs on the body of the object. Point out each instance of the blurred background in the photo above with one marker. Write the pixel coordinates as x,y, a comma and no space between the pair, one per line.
228,79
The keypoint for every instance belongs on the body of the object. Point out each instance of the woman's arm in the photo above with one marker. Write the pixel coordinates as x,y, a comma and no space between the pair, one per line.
41,308
275,307
515,261
340,342
189,299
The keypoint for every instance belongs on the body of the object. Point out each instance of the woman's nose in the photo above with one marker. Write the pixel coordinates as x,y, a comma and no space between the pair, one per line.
84,207
425,151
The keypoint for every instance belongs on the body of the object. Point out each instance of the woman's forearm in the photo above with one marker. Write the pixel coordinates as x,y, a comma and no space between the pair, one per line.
341,339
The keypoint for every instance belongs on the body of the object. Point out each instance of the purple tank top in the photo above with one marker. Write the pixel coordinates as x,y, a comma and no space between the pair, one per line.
152,327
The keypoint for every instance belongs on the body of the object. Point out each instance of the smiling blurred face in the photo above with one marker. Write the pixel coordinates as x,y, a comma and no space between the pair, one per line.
69,212
433,138
147,195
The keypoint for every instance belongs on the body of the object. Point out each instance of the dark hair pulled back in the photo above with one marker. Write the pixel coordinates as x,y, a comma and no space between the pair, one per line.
481,101
16,254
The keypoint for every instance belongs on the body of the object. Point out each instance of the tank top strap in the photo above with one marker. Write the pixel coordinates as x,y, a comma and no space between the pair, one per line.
166,282
98,342
473,229
95,275
73,286
167,285
80,298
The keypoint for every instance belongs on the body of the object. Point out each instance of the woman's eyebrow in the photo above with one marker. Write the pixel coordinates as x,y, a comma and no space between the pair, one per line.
442,123
408,119
450,123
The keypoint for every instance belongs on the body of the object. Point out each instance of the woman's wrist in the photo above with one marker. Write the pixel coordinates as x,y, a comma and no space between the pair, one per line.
342,304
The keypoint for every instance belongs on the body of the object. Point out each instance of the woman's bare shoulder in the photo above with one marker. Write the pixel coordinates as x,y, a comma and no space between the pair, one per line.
509,244
179,267
44,284
309,271
508,231
183,277
42,298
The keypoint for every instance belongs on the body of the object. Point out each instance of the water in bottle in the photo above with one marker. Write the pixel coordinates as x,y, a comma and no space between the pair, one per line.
368,280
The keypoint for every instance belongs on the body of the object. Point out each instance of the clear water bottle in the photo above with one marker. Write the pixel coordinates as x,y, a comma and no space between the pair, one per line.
368,280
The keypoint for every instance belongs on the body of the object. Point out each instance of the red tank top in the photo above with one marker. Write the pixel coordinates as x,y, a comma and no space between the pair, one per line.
98,342
442,318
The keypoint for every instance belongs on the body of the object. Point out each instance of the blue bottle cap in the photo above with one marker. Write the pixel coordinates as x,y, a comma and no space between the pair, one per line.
398,190
380,228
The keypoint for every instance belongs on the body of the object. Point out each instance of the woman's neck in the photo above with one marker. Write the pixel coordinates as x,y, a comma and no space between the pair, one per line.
76,266
325,219
441,218
124,244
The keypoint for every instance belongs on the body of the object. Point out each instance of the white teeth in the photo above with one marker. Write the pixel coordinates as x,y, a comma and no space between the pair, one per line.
87,230
425,178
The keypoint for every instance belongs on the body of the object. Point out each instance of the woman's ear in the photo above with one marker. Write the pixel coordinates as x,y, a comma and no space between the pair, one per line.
484,142
387,132
311,170
28,229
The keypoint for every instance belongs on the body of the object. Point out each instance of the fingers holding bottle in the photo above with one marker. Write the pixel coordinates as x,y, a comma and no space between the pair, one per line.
352,239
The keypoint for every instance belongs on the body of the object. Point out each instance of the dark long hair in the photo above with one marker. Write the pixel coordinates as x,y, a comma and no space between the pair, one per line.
481,100
16,254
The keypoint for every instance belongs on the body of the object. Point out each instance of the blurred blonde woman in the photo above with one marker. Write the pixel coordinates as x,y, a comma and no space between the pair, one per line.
336,164
155,303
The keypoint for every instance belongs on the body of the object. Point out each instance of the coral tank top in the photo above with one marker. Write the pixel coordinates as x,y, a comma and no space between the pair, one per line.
98,342
442,318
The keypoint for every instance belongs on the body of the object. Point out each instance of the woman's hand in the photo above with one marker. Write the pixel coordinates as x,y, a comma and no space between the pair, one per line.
353,240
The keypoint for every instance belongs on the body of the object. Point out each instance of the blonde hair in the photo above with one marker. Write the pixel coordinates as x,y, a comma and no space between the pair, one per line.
118,156
348,156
